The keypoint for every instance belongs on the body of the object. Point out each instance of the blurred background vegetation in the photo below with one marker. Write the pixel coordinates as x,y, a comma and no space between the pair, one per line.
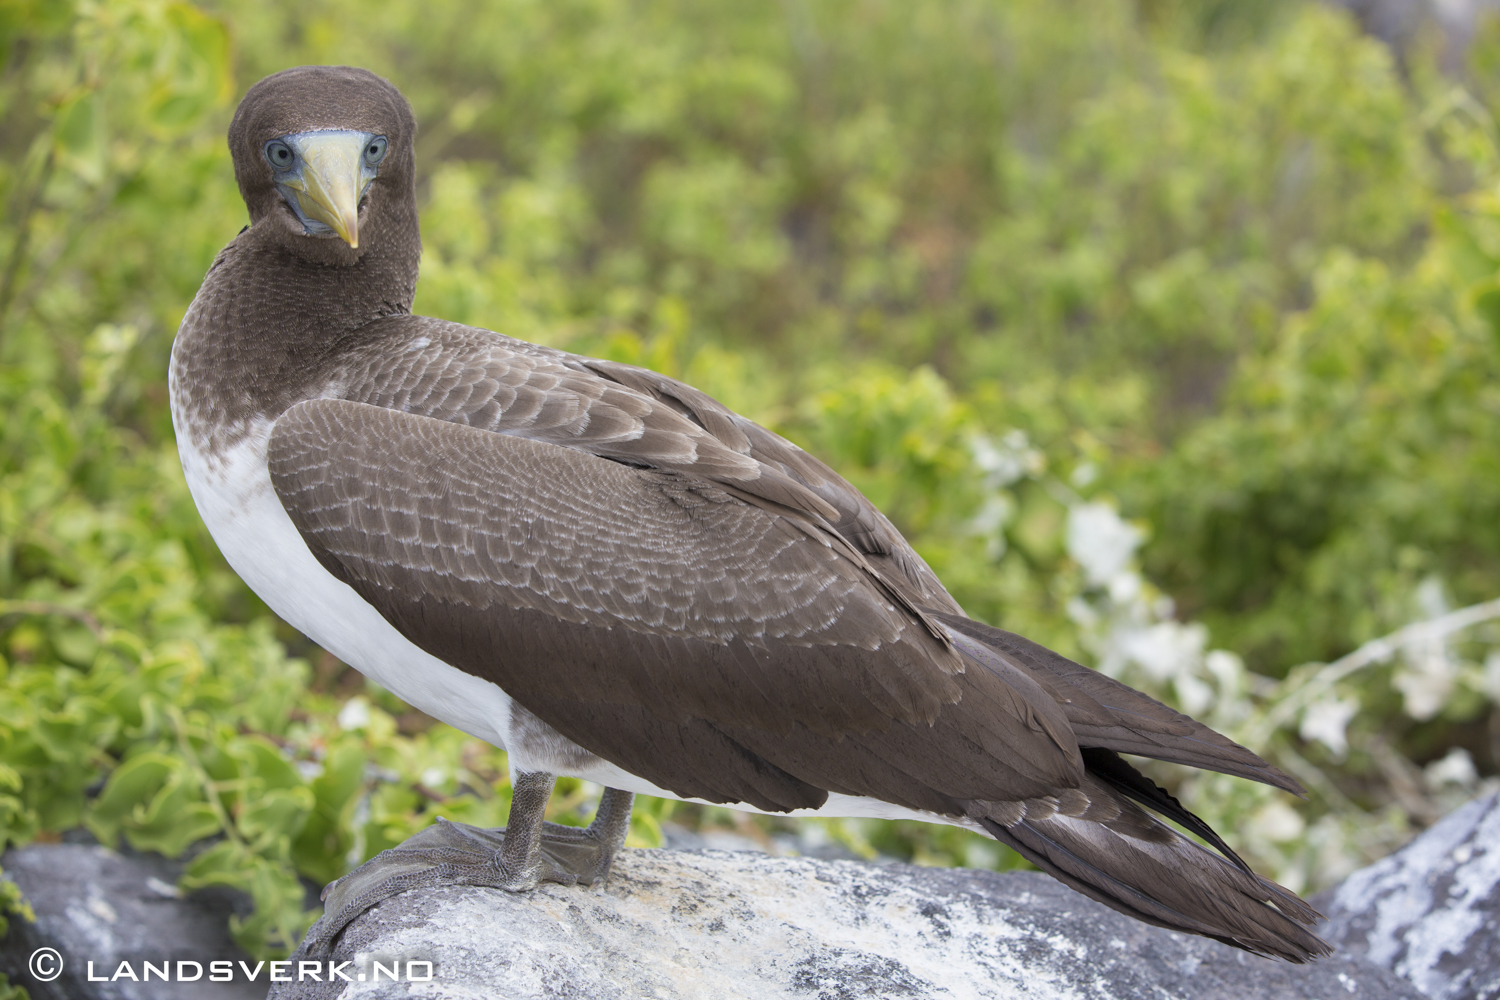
1169,333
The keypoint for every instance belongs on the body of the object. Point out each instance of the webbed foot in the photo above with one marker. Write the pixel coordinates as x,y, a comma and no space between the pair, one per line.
517,858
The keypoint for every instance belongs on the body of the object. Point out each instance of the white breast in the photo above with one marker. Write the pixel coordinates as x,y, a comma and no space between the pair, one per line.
240,507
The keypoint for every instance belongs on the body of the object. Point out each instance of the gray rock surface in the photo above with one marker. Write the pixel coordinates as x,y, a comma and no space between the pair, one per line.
1431,911
706,923
93,904
714,924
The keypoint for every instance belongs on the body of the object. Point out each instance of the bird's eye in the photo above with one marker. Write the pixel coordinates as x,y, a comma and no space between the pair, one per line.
280,155
375,151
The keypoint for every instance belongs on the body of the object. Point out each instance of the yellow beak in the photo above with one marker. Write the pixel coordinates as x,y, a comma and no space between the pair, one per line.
332,180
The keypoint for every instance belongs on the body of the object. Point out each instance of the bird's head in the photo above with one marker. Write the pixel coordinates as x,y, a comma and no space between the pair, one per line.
323,155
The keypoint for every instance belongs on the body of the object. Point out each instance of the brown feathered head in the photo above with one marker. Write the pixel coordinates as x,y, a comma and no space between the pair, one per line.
324,156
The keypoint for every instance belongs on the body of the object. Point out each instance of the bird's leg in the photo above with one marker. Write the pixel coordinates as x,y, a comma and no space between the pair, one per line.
520,859
516,858
587,852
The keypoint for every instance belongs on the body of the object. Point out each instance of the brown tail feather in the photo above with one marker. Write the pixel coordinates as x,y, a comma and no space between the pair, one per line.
1103,845
1105,713
1107,766
1097,840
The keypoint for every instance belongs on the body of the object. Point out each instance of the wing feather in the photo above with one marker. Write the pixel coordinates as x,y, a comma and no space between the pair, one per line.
692,597
626,414
602,596
1107,714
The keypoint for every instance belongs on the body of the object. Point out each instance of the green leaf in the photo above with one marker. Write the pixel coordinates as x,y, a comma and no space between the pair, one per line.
153,800
80,137
321,850
1487,304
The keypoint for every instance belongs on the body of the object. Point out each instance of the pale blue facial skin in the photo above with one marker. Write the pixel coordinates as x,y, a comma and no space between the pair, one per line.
323,175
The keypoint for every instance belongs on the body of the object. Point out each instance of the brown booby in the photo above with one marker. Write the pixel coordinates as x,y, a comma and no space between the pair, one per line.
611,575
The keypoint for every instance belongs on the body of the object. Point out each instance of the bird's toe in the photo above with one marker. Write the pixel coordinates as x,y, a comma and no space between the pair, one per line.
583,853
443,854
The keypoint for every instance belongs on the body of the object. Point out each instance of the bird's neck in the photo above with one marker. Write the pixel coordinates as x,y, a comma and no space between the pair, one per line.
264,330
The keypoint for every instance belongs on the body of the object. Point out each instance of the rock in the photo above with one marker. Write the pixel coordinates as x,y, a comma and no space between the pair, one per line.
93,904
699,924
1431,911
809,841
706,923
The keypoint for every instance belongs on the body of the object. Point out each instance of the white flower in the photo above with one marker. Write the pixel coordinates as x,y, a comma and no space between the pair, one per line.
1082,612
1168,649
1193,695
1427,681
1492,675
1455,769
1125,587
1006,461
1327,720
1277,822
990,520
993,514
1100,541
355,714
1432,599
1227,668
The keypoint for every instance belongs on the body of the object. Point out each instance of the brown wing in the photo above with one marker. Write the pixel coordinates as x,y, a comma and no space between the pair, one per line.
639,417
858,520
608,551
717,647
627,414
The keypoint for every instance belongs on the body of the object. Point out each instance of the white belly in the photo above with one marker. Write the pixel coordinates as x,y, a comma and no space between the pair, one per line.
239,505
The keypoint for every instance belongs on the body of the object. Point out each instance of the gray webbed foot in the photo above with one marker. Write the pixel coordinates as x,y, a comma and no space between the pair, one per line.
588,852
517,858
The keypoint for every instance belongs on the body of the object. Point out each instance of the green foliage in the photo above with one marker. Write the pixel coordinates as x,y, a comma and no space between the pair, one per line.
1154,325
